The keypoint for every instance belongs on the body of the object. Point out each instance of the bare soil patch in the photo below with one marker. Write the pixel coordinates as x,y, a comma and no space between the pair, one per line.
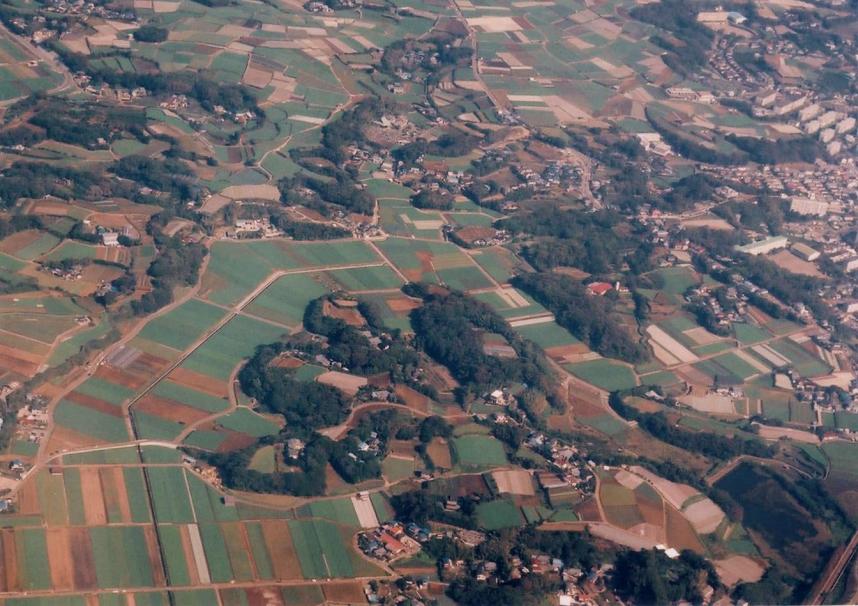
93,498
59,551
514,481
439,451
278,540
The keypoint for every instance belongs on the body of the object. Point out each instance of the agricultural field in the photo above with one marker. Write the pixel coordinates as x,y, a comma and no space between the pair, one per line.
86,526
478,451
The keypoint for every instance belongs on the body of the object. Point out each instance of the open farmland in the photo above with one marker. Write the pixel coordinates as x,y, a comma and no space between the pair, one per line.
478,451
101,536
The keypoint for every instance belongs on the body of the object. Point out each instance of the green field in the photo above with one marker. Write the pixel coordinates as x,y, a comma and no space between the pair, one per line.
174,555
191,397
246,421
285,300
337,510
604,373
236,268
498,514
547,334
121,557
748,333
478,451
366,278
169,495
91,422
321,549
183,325
105,390
207,503
33,569
807,364
223,351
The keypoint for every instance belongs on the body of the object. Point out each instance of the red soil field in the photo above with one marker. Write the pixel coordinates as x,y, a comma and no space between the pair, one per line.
280,550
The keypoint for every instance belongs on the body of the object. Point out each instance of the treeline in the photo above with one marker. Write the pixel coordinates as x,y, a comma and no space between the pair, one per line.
449,327
176,264
150,33
433,200
778,151
788,287
348,129
576,239
590,319
38,179
86,124
305,405
232,97
679,18
708,444
689,148
347,345
451,144
342,191
168,175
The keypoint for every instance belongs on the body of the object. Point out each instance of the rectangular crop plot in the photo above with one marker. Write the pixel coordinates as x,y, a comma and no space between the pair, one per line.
122,556
136,490
285,300
216,553
181,326
261,559
170,495
218,356
90,422
32,555
105,390
464,278
604,373
321,549
338,510
366,278
246,421
174,554
478,451
208,505
191,397
499,514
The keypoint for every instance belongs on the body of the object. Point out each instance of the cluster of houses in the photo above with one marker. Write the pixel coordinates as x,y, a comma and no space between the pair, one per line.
393,540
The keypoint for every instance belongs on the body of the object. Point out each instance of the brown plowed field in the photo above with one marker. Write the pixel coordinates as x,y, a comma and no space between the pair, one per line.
280,550
14,364
680,534
154,556
113,489
439,452
235,441
93,499
81,555
120,377
200,382
346,593
413,399
263,596
8,556
62,566
94,403
20,354
169,409
146,365
28,499
589,511
63,438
